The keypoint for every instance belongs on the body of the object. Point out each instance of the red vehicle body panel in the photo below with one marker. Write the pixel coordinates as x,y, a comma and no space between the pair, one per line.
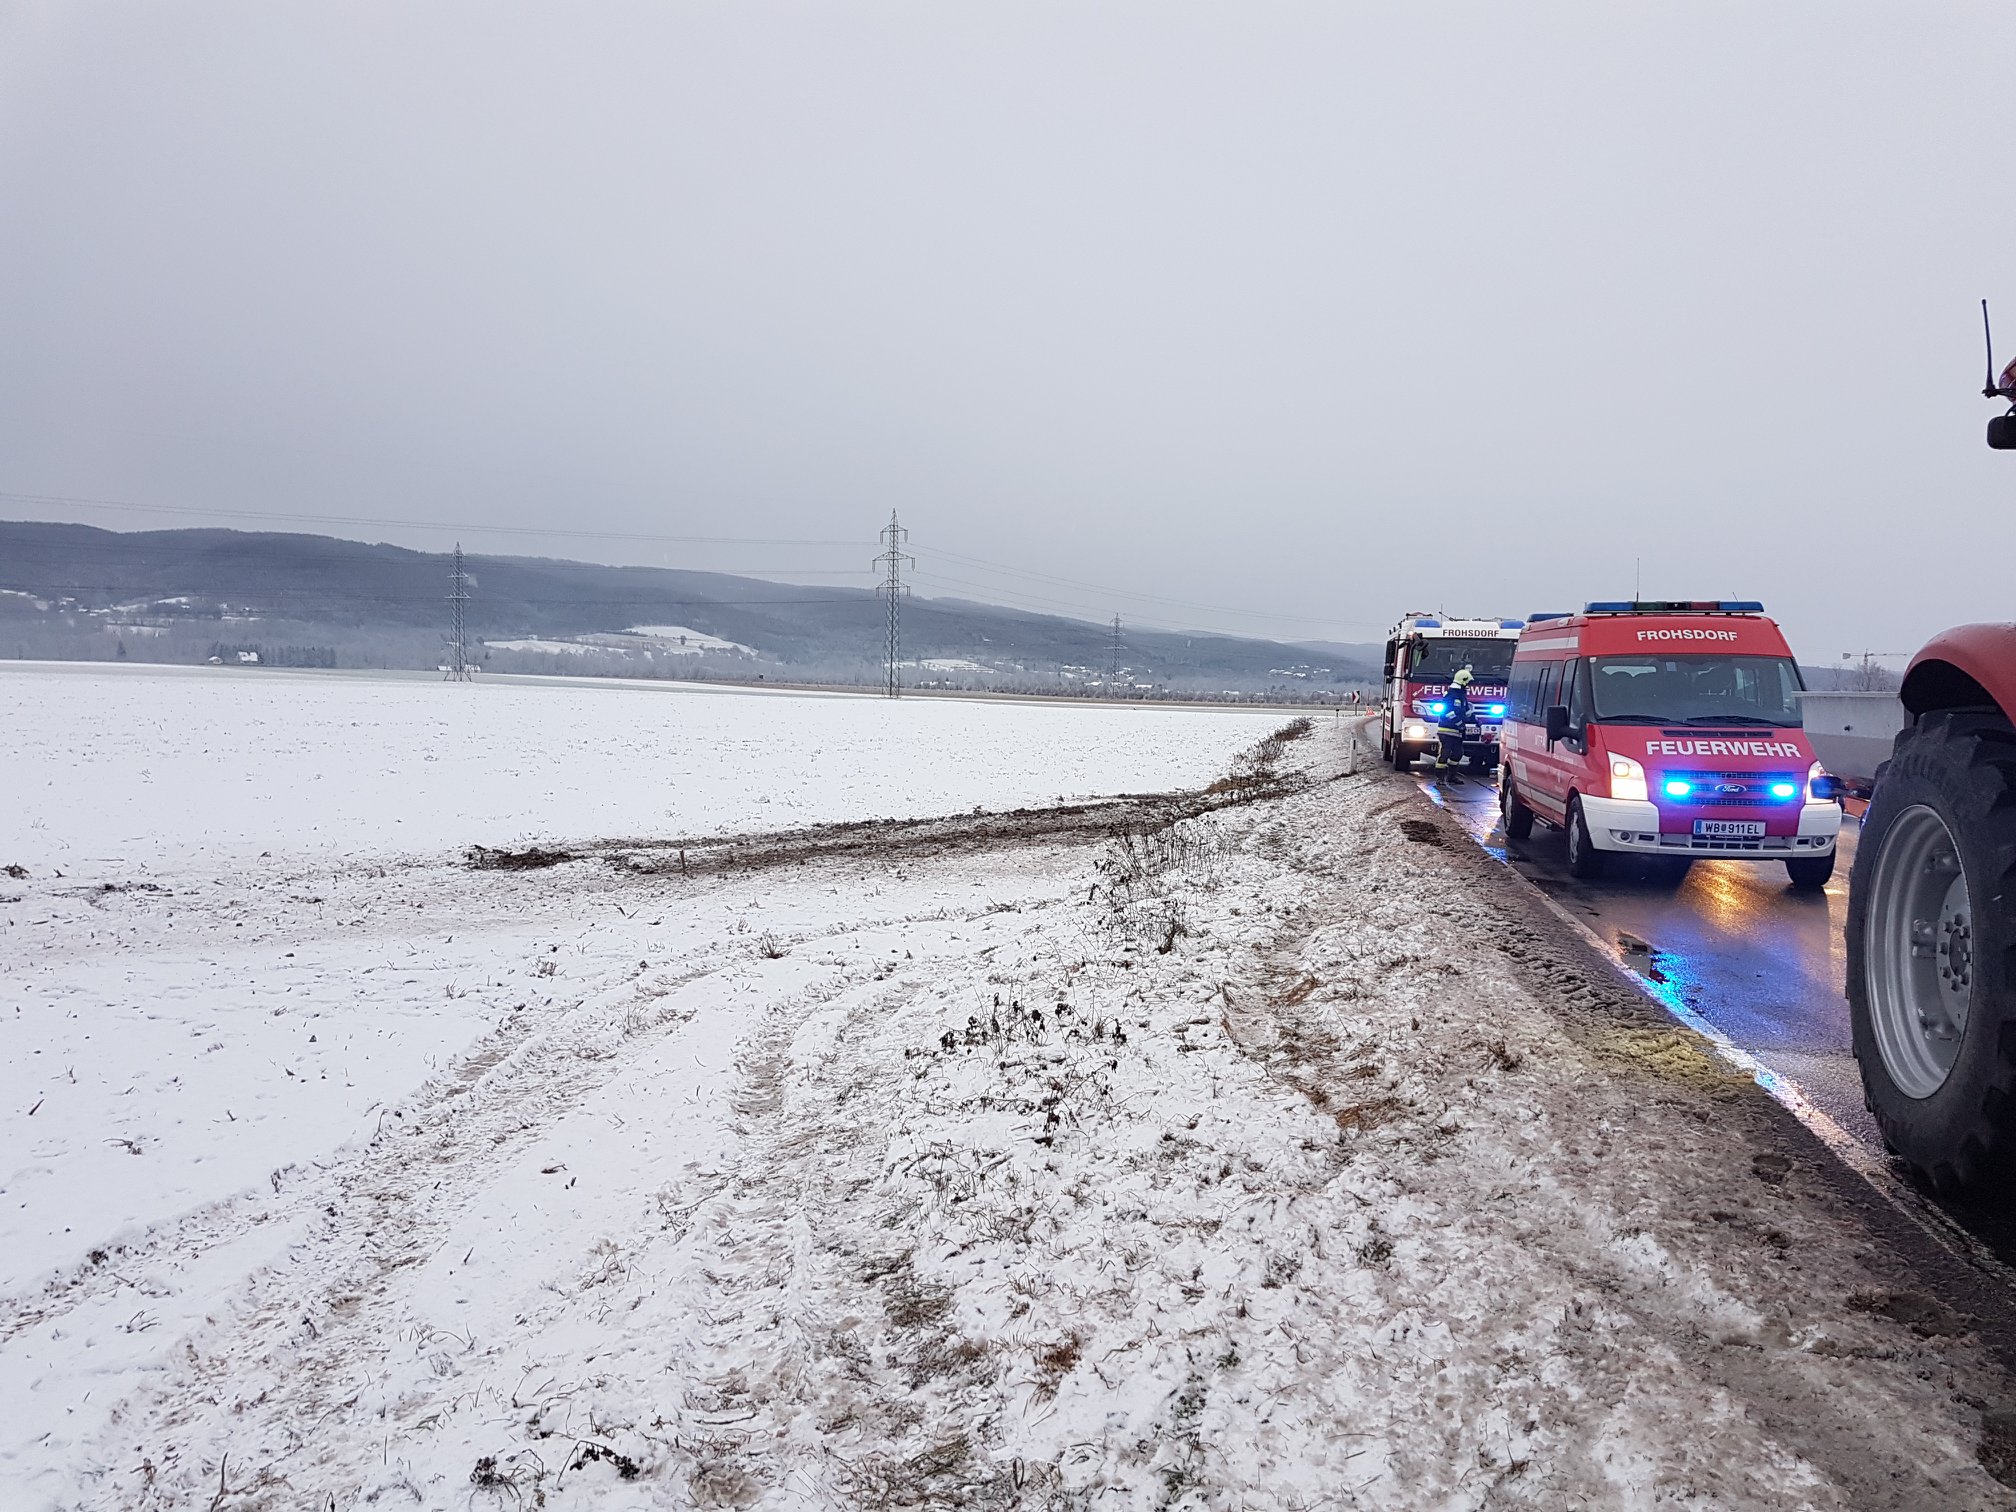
1981,655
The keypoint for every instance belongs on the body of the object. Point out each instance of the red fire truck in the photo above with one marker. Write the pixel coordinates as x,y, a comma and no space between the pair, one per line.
1423,653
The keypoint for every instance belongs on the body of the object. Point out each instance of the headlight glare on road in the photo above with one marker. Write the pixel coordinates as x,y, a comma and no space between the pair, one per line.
1627,778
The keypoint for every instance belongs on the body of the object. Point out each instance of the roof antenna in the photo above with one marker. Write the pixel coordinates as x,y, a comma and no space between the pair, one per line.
1990,391
2002,429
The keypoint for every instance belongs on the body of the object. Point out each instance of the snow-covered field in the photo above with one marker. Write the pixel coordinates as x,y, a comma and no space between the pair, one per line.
1265,1161
123,772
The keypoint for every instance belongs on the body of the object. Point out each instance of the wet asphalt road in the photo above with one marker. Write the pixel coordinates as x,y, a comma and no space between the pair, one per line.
1730,940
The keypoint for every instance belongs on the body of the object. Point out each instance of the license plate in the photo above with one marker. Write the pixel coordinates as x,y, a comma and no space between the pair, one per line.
1728,829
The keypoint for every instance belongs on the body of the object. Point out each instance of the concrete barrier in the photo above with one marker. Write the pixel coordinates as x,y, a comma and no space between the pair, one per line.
1852,732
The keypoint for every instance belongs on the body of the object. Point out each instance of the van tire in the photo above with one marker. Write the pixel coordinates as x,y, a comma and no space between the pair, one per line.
1810,873
1584,860
1960,1133
1518,817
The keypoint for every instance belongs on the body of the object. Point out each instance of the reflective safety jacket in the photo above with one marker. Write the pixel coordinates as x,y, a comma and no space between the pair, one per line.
1455,714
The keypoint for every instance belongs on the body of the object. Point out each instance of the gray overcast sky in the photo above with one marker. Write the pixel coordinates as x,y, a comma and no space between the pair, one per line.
1318,312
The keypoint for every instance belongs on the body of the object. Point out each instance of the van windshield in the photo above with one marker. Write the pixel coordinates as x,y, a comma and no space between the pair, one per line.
1438,660
1700,689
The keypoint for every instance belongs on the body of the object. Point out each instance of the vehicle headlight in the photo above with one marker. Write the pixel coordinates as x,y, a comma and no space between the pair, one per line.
1816,776
1627,778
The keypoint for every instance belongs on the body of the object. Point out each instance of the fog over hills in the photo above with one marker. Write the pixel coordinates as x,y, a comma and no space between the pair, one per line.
75,591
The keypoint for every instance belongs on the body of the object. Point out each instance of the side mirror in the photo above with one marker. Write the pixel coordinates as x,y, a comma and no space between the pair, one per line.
1557,723
2002,432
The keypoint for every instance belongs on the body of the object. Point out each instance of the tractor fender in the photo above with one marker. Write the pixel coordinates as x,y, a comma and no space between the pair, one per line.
1969,667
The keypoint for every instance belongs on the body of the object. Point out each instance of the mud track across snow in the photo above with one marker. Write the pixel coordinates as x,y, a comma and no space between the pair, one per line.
1103,819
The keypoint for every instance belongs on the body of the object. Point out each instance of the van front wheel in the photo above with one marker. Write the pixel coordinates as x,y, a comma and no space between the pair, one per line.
1518,817
1810,873
1584,860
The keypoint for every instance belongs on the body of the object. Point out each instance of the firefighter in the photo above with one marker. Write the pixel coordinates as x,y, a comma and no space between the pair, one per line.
1455,715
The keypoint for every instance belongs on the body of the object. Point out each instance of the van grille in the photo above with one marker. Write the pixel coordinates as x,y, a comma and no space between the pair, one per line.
1728,789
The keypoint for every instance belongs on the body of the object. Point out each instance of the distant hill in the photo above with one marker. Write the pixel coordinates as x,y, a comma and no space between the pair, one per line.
74,590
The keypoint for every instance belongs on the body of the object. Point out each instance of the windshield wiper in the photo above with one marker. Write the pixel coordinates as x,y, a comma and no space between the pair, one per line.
1734,719
1652,719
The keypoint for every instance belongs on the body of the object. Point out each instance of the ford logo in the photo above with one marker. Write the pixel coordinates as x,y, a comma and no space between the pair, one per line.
1730,787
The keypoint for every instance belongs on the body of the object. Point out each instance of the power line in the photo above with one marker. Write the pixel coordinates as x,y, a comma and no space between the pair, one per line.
1105,590
642,601
1128,593
893,588
452,525
1016,598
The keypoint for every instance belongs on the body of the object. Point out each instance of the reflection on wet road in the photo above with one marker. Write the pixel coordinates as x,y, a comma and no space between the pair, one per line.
1730,940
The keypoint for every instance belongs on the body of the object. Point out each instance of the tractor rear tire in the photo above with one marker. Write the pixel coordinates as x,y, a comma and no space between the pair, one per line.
1932,951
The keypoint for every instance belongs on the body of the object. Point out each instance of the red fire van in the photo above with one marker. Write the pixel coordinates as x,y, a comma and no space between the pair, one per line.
1665,729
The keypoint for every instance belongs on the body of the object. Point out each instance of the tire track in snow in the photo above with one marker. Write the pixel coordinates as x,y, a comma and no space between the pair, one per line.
292,1351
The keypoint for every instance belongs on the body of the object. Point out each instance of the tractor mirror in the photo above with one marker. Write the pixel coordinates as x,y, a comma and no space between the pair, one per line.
2002,432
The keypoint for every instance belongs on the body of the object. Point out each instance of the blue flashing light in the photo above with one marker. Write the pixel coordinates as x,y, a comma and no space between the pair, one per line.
1504,624
1427,624
1678,789
1673,606
1784,790
1496,711
1541,619
1436,708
